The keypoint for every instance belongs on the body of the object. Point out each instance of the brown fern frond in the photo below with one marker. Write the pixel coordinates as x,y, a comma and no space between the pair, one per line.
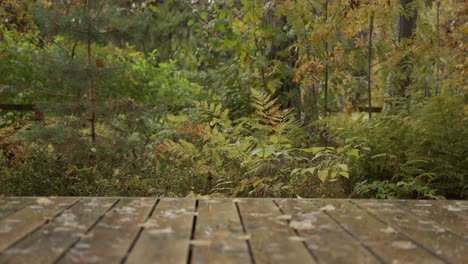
270,114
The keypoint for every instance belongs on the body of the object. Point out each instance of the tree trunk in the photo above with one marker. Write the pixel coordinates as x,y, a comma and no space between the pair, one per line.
407,27
438,50
407,24
326,64
91,88
369,65
310,107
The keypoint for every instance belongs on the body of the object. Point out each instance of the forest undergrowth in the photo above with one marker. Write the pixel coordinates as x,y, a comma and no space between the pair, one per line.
234,98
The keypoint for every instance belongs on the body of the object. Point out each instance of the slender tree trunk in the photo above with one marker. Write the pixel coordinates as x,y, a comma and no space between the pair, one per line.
438,50
325,107
91,88
294,88
326,64
369,64
310,109
78,91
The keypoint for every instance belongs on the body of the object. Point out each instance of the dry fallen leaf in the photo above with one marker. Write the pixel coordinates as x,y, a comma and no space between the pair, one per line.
388,230
211,201
5,229
166,230
115,227
62,229
401,244
260,214
454,208
149,224
302,225
82,246
244,237
200,242
283,217
328,207
44,201
297,238
85,235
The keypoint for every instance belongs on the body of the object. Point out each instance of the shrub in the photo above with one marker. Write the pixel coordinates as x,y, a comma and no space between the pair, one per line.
418,155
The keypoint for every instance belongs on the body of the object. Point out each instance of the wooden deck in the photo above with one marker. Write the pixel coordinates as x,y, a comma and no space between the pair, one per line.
151,230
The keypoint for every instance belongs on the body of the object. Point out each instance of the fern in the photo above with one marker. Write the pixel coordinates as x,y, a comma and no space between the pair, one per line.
183,150
270,114
214,113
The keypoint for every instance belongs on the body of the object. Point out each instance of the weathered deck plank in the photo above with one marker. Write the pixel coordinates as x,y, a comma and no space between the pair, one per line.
152,230
324,236
269,234
11,205
425,232
383,240
447,219
26,220
47,244
219,236
109,240
166,234
458,207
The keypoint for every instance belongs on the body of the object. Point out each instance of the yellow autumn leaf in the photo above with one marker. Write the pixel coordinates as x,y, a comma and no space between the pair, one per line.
45,3
50,148
69,171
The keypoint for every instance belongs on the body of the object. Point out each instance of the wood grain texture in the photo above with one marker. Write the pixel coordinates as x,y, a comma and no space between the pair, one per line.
179,230
11,205
458,207
219,234
269,234
424,231
448,219
46,244
110,239
166,234
385,241
23,222
330,242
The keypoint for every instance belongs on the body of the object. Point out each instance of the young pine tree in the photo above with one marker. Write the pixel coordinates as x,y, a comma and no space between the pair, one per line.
85,23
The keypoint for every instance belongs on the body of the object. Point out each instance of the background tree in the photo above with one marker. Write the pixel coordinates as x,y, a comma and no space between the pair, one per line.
251,98
86,22
406,30
16,14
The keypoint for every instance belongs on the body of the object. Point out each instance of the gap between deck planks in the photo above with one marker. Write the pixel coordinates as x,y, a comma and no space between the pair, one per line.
153,230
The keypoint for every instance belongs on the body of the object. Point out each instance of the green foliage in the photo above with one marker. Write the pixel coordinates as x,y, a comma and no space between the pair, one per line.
19,55
247,156
89,19
150,82
16,14
57,159
233,98
422,155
